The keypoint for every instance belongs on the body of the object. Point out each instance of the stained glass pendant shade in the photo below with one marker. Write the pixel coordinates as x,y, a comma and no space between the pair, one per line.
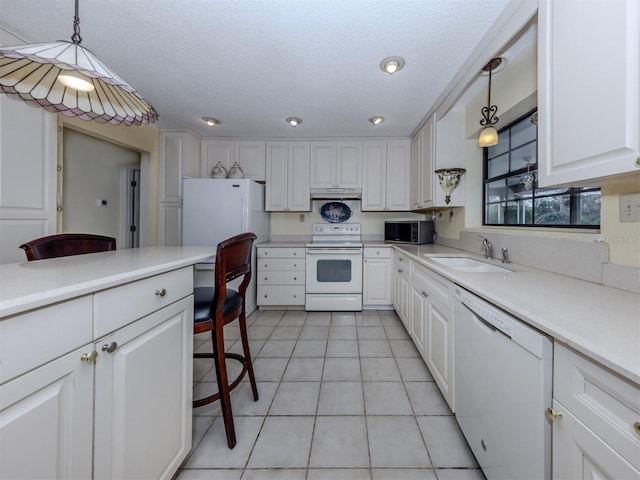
30,73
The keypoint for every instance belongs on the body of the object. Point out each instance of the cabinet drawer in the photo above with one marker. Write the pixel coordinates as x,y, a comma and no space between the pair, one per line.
280,264
120,306
20,334
605,402
436,285
281,277
401,260
281,295
377,252
280,252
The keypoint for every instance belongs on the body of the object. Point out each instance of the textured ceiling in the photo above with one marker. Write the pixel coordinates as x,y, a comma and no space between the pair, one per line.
252,63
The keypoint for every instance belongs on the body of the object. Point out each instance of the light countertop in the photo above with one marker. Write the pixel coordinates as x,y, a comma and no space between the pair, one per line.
599,321
29,285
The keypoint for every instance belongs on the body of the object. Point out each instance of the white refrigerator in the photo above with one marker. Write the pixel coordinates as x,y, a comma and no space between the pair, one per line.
216,209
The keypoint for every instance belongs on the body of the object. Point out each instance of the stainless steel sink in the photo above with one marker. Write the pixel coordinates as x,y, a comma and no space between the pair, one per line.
467,264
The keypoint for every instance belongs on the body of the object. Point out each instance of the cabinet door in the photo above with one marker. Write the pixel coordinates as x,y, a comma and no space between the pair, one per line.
419,312
276,176
323,165
427,163
46,420
214,151
588,67
143,396
578,453
299,198
250,155
438,351
349,165
375,174
170,224
398,194
377,281
416,170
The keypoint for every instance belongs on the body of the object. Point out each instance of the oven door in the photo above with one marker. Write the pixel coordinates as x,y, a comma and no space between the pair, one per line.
334,270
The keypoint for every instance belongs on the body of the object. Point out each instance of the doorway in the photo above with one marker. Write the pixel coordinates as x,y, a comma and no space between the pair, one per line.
93,199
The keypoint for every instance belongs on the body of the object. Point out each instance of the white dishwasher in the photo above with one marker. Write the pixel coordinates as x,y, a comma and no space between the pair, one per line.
503,386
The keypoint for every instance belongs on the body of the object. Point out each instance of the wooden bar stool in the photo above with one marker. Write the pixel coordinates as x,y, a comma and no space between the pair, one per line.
66,244
216,307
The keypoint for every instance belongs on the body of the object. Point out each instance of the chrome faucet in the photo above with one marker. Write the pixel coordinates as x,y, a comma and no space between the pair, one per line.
505,255
488,248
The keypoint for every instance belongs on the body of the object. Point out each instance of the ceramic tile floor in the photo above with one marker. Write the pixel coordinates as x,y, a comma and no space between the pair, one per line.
342,396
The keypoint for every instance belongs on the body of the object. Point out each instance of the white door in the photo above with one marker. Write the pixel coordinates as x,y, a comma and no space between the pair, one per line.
46,421
143,396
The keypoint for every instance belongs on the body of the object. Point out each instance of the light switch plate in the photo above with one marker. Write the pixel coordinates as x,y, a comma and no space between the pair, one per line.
630,207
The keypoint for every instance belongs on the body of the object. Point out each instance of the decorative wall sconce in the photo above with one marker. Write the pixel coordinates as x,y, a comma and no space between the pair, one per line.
64,77
529,178
449,178
489,134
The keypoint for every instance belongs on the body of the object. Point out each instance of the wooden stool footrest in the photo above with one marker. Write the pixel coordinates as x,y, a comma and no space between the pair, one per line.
216,396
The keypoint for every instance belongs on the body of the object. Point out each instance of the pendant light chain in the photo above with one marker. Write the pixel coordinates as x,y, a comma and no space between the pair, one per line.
76,38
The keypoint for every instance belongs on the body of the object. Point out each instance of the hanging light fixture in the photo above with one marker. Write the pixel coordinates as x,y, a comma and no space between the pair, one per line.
489,134
65,77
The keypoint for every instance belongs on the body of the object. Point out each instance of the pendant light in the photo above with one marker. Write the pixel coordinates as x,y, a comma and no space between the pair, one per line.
65,77
489,134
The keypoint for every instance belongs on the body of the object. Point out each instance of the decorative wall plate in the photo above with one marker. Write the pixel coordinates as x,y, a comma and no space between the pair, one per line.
335,212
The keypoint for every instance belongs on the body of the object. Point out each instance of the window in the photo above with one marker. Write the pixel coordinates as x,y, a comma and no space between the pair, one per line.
511,193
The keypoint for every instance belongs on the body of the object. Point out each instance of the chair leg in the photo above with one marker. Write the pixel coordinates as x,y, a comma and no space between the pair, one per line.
247,354
223,383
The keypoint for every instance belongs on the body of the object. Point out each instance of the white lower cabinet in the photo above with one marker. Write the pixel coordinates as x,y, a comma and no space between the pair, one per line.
118,406
376,274
142,396
436,325
596,431
281,276
402,287
46,420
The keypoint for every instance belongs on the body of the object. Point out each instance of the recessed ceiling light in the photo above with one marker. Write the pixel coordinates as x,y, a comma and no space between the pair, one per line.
212,122
377,120
391,65
294,121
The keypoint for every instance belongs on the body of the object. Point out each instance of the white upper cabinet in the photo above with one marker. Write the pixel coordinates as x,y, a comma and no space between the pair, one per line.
438,144
588,90
336,164
250,156
214,151
386,175
179,157
287,177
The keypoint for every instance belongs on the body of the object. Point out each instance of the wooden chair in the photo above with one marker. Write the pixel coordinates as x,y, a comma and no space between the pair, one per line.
66,244
216,307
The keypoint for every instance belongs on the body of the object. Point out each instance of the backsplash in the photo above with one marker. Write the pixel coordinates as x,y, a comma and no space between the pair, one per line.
584,260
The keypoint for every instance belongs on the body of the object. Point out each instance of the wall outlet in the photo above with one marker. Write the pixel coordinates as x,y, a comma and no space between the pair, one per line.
301,218
630,207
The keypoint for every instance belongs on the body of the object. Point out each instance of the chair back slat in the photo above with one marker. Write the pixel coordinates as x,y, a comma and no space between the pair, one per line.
66,244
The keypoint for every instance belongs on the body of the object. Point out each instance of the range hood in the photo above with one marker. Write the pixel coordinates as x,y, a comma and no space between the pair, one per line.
336,193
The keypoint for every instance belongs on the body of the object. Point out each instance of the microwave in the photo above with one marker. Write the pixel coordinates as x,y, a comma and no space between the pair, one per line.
409,231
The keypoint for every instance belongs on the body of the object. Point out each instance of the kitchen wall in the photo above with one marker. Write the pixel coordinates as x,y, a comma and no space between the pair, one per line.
514,91
297,226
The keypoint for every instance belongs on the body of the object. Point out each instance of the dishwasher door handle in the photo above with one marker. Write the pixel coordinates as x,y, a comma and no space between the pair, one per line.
489,325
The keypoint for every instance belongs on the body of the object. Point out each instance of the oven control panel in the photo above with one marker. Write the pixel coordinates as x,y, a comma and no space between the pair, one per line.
336,229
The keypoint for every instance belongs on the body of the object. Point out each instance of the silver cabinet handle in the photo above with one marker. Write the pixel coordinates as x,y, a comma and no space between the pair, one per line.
89,358
109,347
161,293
